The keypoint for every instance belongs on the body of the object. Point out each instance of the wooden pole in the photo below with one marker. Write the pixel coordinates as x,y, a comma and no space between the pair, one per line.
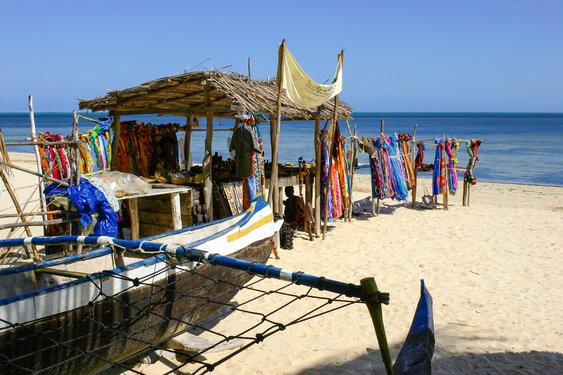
273,192
463,200
115,143
74,148
369,287
351,165
187,142
37,156
207,160
60,182
414,188
318,181
20,213
413,157
330,148
249,65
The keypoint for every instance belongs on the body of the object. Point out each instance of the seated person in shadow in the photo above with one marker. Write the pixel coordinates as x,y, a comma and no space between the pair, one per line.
294,211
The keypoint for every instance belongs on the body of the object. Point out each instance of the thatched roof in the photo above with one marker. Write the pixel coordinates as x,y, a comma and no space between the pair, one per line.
225,94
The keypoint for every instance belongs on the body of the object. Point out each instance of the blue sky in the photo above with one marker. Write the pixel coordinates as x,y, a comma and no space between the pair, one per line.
490,56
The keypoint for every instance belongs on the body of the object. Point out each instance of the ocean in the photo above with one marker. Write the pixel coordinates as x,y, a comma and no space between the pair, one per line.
516,147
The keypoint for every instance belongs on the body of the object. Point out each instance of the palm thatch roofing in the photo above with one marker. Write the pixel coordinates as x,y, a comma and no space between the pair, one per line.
197,93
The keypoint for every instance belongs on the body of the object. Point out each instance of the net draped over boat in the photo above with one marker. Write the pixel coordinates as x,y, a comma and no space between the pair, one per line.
260,301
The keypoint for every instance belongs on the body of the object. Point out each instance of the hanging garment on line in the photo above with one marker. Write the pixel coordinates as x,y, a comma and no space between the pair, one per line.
439,181
340,189
326,196
451,148
244,146
404,142
144,148
472,149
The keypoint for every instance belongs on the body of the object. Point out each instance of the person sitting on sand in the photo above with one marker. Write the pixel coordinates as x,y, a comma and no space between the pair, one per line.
294,212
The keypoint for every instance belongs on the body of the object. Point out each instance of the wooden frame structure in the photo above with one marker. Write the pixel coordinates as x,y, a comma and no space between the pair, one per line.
213,94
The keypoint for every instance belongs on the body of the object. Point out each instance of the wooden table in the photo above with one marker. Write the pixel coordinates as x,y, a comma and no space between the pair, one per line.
157,189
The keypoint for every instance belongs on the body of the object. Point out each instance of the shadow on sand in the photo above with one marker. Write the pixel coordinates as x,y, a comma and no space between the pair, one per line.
533,362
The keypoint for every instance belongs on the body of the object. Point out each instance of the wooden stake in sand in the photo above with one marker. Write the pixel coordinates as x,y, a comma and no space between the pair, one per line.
369,287
273,197
330,149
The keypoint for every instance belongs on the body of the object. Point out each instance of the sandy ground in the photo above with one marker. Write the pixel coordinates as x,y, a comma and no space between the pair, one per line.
493,268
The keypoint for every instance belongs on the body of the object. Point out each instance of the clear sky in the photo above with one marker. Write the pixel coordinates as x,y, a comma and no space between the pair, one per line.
414,56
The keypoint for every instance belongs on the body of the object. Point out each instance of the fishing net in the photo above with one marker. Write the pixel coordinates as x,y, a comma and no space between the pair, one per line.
198,300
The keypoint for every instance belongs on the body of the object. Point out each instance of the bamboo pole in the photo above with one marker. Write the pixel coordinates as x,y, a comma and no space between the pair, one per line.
19,210
318,181
330,148
115,143
369,287
37,155
273,194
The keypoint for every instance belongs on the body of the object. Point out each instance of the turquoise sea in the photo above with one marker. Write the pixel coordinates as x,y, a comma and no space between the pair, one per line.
516,147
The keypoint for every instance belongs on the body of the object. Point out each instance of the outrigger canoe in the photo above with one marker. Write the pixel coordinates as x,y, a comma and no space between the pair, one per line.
81,313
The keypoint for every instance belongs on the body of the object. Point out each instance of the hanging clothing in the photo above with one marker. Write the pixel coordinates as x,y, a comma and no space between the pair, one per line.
244,146
472,149
326,196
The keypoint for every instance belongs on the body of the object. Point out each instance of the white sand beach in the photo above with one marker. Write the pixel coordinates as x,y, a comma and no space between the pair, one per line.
493,268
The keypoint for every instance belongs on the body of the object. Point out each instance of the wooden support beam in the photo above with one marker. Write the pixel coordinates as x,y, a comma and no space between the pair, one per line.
115,142
226,110
318,181
273,193
37,156
16,203
176,211
134,217
369,287
207,160
413,190
330,149
188,141
74,150
60,182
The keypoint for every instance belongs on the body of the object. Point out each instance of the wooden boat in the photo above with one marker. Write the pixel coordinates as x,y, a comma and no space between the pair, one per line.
416,354
81,313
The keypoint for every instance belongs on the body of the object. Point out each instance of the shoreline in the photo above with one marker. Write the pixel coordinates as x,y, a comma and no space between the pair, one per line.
30,157
493,269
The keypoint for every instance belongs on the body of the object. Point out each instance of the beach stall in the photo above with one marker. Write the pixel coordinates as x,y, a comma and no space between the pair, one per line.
210,95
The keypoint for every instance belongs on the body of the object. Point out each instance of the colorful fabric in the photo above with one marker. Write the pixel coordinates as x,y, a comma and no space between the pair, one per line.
326,197
472,149
144,147
299,87
244,145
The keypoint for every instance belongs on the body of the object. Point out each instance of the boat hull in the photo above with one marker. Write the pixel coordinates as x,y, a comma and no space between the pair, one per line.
415,357
88,339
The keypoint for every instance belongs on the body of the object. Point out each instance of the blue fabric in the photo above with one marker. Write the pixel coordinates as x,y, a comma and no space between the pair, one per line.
87,200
